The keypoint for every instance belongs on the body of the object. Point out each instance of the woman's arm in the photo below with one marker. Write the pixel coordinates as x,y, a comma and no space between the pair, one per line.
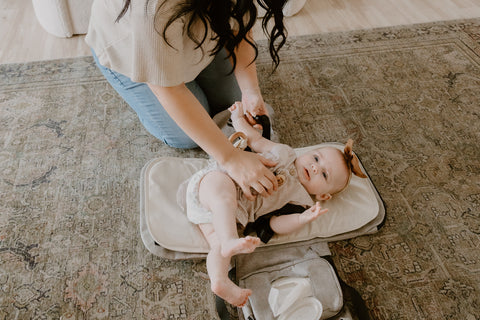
246,75
246,168
194,120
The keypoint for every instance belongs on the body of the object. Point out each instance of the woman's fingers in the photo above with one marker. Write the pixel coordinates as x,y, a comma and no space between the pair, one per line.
250,119
263,187
250,172
247,192
259,189
268,174
267,184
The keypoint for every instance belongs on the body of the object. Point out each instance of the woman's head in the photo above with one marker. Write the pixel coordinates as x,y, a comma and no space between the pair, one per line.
327,170
218,15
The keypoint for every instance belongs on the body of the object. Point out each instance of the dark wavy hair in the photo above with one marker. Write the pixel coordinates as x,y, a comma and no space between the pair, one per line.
217,14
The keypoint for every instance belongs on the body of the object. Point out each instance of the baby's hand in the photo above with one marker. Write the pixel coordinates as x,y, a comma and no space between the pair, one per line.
238,114
237,111
312,213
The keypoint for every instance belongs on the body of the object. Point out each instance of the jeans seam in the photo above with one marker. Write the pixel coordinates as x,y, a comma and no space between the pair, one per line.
114,75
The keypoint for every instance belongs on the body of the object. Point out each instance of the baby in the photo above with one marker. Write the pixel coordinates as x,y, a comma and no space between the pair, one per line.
217,204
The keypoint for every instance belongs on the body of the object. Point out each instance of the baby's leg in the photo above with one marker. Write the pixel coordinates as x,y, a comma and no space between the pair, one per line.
217,266
218,194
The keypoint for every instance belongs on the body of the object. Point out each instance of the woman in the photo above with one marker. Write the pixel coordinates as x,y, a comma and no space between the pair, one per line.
178,63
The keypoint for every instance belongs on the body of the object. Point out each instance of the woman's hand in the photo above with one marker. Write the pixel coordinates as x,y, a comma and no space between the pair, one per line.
253,104
246,168
249,170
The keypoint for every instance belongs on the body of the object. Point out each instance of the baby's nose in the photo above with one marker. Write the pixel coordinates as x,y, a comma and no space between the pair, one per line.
314,168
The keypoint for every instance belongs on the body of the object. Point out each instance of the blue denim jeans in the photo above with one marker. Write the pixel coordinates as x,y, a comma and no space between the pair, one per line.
214,88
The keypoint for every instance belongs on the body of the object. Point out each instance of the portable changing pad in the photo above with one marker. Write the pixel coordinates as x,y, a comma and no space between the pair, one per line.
167,232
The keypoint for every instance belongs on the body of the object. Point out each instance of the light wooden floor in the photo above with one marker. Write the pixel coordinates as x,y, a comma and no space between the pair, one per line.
22,39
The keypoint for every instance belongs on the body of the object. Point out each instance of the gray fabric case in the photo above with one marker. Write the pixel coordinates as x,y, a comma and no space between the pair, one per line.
260,268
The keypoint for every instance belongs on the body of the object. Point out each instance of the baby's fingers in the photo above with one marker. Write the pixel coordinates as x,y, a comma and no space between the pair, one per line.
318,209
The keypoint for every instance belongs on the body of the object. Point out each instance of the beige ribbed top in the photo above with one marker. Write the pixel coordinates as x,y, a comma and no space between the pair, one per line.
134,48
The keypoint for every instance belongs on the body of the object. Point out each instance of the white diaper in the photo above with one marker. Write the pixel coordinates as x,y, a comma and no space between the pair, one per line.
196,213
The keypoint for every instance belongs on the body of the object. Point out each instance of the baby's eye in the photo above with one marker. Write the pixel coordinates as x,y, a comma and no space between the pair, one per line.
324,174
316,158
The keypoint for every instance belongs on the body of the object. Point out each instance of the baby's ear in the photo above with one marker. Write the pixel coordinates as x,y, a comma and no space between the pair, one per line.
323,197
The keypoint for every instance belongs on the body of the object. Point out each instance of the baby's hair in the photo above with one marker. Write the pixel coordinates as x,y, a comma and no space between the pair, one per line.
352,163
351,160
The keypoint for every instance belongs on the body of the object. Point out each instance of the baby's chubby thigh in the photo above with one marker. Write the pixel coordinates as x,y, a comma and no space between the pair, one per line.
217,190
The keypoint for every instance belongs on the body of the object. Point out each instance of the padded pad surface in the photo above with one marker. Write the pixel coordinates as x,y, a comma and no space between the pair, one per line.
168,225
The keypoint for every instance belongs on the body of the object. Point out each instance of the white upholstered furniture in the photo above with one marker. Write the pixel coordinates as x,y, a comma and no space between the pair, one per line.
65,18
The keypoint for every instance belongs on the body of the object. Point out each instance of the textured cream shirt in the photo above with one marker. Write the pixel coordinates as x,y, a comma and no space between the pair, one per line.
134,46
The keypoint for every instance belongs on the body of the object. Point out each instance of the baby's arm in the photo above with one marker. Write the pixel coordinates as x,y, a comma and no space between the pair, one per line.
255,140
292,222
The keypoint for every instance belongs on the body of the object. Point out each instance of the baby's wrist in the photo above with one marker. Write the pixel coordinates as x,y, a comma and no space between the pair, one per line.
301,221
239,122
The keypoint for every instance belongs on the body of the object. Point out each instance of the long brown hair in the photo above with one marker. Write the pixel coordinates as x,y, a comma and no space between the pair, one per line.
217,15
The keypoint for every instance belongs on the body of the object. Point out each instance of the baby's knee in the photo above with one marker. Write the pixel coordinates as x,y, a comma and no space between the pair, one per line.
210,235
218,183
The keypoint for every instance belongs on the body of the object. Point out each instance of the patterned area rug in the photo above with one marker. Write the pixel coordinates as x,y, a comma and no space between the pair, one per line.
71,154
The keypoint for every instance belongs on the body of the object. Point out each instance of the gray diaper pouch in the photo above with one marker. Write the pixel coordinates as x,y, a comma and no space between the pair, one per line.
289,281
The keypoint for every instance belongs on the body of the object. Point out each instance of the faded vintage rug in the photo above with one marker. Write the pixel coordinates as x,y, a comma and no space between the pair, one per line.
71,154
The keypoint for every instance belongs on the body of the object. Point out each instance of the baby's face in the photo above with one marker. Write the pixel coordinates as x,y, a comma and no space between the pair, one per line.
322,171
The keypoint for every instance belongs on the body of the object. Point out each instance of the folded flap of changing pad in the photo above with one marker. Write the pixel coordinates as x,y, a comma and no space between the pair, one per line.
168,225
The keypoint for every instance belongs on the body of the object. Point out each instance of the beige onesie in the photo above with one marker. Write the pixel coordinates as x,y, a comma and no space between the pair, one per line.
291,191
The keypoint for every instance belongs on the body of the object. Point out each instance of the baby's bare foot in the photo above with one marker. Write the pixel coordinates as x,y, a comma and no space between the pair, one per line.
238,246
231,293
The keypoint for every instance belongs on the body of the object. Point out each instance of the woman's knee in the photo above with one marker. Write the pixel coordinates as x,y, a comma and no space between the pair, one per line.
150,112
178,142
